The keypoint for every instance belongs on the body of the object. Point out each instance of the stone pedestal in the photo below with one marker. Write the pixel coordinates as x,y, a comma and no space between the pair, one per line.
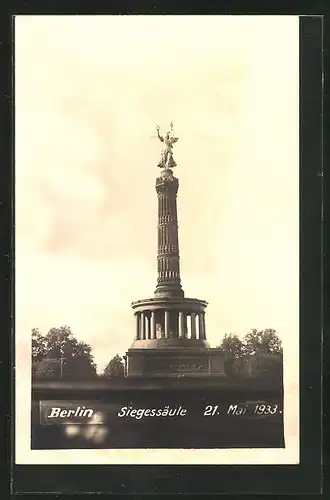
177,362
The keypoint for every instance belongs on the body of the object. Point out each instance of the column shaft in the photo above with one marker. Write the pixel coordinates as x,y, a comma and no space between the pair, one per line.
148,329
168,281
167,324
143,326
153,324
182,318
193,325
137,315
200,326
204,329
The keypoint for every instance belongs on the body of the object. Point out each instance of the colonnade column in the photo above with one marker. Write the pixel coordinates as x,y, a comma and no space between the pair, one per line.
204,329
148,329
167,324
153,324
193,325
143,326
137,335
182,325
201,325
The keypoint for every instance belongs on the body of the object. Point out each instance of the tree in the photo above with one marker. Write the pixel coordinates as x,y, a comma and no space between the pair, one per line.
115,368
263,349
262,342
61,355
259,352
232,347
38,345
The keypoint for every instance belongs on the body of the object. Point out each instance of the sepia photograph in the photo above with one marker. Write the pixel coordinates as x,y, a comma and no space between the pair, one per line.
157,239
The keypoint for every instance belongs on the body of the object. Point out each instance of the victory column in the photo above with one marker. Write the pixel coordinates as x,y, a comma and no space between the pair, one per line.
170,337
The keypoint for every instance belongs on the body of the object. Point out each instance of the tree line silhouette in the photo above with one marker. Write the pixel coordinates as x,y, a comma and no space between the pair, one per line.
58,355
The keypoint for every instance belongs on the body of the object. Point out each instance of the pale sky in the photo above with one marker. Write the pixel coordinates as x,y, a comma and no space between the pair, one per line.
89,93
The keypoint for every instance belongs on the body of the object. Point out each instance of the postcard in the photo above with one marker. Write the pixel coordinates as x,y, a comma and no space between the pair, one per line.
157,239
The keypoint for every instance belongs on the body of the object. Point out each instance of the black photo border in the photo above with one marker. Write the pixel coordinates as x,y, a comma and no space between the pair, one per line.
304,478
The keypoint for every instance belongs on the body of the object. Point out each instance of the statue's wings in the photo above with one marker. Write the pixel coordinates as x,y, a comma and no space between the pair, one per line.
174,139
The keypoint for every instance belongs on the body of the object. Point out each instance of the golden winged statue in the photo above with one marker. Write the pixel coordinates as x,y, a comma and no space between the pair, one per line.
168,140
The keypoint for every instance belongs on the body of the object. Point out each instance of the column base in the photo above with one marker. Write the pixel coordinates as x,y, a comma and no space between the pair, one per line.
169,292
